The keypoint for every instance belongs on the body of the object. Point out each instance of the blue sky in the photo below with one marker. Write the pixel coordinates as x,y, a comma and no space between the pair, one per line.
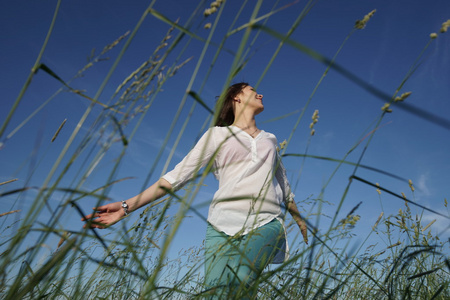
381,55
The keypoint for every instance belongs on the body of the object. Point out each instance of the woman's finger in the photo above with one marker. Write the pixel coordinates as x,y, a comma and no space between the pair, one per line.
95,224
90,216
102,208
304,231
85,218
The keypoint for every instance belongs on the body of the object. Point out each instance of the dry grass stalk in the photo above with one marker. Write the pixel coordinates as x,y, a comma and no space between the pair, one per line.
8,181
59,129
426,227
394,245
9,212
64,237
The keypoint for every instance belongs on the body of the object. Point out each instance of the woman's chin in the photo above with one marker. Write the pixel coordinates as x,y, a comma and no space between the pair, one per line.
259,110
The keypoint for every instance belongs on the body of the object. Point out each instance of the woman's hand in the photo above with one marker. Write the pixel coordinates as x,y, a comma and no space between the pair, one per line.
105,215
303,229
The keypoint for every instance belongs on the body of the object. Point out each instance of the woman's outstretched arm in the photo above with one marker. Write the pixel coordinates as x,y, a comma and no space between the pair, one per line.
293,210
110,214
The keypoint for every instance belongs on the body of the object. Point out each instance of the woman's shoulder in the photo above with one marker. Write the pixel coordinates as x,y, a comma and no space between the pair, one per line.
269,135
218,132
221,129
218,129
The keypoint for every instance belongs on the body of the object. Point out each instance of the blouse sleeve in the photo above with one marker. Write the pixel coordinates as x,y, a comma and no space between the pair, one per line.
197,158
280,175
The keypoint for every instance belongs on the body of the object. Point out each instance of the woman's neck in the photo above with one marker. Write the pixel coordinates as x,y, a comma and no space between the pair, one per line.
245,122
245,125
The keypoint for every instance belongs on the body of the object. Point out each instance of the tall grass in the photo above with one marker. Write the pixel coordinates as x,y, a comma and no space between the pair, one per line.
133,262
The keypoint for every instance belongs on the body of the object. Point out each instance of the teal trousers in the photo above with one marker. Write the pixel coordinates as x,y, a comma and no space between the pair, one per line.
233,263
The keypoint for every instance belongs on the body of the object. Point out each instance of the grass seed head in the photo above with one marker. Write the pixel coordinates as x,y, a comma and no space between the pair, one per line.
378,220
445,26
405,95
360,24
207,12
411,185
315,115
433,35
386,108
212,9
350,220
315,119
402,97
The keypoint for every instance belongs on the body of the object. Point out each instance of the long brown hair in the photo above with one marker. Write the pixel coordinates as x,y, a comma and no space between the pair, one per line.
226,115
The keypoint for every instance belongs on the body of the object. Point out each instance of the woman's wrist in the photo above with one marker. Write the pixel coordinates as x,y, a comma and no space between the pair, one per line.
125,208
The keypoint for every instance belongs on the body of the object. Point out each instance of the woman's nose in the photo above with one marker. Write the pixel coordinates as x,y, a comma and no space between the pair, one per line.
259,96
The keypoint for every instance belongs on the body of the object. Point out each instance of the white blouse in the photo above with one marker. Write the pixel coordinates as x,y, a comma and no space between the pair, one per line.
250,193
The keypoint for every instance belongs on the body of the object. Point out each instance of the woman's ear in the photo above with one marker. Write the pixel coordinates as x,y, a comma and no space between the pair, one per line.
237,99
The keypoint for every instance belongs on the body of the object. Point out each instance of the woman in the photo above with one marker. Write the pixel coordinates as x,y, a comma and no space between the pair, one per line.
245,221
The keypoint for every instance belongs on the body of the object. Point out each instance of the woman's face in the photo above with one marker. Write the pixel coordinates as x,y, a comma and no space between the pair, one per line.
251,100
